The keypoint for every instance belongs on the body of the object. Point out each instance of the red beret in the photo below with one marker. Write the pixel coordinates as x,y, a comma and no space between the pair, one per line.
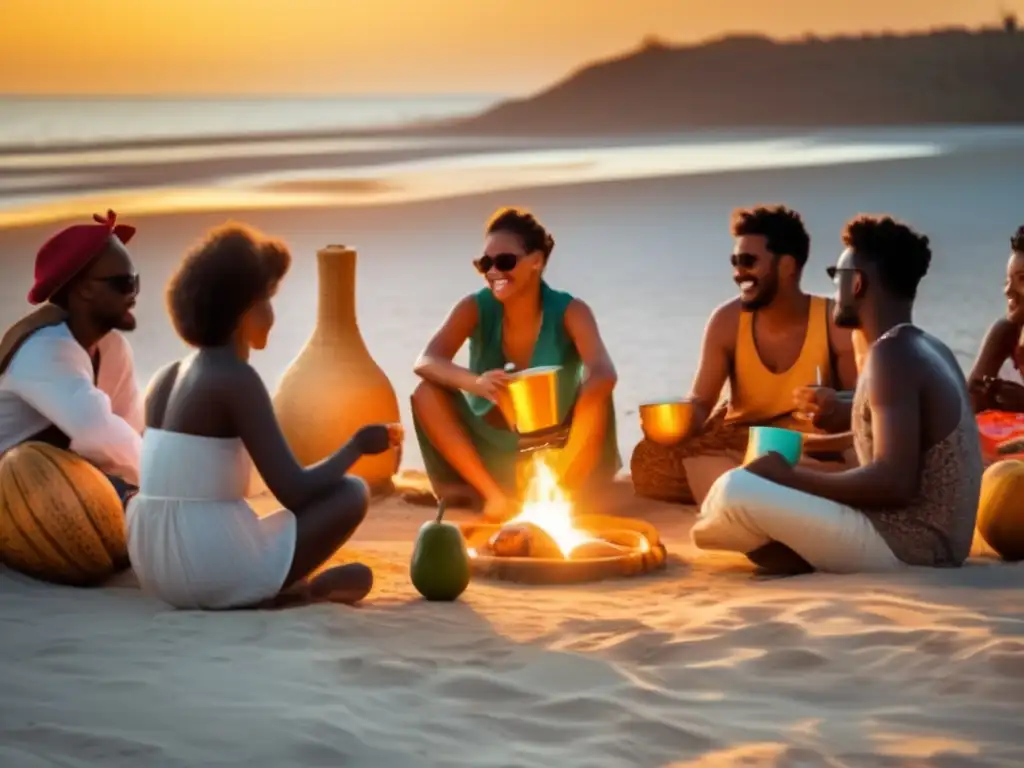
70,251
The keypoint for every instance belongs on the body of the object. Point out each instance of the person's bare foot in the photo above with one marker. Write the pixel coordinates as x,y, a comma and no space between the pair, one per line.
779,560
347,584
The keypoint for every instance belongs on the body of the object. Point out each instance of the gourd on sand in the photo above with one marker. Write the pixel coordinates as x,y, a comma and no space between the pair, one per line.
60,518
440,561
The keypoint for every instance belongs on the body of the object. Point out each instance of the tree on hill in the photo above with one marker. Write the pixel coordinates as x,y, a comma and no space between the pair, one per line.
653,42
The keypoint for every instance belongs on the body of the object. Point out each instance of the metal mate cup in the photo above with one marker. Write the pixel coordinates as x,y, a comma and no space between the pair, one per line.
534,396
666,422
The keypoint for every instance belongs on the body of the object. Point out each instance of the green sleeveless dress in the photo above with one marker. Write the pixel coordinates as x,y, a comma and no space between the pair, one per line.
498,447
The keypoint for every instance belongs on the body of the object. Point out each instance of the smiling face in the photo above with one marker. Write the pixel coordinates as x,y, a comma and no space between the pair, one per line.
755,269
1013,290
507,267
108,288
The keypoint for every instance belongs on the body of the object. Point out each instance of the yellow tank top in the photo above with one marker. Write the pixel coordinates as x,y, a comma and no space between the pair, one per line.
758,396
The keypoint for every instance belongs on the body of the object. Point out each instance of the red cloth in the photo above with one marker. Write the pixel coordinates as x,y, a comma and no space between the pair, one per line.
70,251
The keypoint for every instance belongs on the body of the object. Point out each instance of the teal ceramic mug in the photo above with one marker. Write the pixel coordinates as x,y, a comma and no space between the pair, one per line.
787,442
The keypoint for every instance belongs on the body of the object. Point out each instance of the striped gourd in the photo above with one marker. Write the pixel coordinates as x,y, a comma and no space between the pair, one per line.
60,518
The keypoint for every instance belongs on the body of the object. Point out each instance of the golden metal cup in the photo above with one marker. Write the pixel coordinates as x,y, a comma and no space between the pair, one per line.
534,395
666,422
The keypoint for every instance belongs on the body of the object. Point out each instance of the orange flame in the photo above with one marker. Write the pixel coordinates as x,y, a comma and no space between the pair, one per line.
548,506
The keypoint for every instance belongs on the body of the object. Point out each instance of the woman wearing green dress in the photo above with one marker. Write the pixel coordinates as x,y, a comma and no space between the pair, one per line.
517,318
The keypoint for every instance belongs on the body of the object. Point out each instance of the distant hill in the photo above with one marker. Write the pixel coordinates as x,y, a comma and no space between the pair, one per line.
946,76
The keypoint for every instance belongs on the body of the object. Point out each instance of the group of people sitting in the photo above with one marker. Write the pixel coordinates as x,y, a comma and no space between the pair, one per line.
182,456
889,416
892,464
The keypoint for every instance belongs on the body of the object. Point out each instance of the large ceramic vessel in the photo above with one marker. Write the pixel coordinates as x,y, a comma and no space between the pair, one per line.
334,387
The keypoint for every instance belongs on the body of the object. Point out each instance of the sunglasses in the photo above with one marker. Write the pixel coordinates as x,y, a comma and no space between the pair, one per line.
743,260
503,262
124,284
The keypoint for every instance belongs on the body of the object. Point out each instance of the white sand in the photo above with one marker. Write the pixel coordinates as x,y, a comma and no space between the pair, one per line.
698,665
702,664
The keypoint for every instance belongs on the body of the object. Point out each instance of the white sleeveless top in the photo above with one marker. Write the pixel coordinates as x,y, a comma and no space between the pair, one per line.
193,539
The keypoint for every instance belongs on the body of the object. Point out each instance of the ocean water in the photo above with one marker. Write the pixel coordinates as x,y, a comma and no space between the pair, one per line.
641,222
41,122
199,169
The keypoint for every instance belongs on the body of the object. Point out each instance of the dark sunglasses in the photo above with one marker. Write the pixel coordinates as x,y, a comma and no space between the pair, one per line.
124,284
743,260
503,262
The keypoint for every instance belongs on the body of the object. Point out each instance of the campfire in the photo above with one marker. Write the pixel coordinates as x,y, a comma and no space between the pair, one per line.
548,542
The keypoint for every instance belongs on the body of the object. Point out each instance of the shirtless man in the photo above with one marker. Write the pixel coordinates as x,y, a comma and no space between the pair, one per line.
914,498
769,344
67,375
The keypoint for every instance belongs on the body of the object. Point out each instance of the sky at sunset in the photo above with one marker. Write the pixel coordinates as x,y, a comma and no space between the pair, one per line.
391,46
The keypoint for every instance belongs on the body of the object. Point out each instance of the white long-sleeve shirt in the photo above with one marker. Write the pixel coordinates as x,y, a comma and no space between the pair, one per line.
50,381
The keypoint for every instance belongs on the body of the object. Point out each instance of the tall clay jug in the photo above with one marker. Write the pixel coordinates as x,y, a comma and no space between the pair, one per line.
334,387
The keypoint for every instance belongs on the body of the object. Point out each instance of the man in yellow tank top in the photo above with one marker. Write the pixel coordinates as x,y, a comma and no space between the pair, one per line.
912,499
769,344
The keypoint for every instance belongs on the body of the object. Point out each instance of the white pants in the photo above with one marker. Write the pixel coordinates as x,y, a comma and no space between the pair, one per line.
704,469
743,512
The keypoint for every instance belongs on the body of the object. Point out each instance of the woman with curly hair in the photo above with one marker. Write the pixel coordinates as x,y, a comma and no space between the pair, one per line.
193,539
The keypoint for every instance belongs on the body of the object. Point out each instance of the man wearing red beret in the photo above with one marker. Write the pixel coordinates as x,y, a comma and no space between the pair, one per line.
67,375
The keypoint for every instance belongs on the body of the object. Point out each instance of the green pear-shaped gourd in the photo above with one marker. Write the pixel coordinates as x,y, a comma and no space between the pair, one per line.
440,562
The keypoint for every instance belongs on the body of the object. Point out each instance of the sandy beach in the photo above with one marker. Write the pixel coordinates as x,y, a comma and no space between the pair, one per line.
701,664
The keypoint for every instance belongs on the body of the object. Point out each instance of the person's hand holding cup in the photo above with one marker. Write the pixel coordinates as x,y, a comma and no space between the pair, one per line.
491,385
814,403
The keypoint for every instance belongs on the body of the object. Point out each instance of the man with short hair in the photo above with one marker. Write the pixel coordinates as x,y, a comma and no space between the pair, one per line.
914,498
770,344
67,375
